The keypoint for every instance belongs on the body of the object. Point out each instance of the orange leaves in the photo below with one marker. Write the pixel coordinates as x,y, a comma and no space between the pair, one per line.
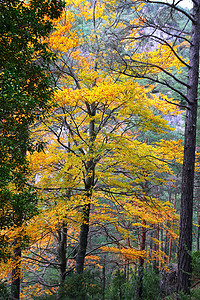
129,253
171,150
64,37
164,57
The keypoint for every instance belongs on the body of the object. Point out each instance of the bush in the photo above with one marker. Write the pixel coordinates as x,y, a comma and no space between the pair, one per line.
84,286
120,289
151,285
4,294
196,264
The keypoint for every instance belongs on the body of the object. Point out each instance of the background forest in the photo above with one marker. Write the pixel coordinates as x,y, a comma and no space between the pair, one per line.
94,96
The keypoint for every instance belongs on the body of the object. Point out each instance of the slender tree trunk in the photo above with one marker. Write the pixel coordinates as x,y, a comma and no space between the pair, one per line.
198,223
139,288
166,248
127,270
186,213
16,271
171,241
156,247
170,250
103,280
61,252
83,239
162,240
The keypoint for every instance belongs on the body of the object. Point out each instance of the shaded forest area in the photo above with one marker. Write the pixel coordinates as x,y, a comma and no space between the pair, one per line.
99,148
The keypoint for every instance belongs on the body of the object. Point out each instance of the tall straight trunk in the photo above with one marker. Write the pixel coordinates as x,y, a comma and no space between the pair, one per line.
16,271
103,279
61,252
171,241
139,288
156,247
89,184
170,250
186,213
166,248
83,239
198,222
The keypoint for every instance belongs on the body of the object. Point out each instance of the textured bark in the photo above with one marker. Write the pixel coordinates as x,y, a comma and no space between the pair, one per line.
89,184
16,272
171,241
198,223
61,252
139,288
185,238
83,240
103,280
156,247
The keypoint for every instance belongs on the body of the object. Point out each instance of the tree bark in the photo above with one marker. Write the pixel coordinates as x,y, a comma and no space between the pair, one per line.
186,213
103,279
139,288
16,272
83,240
198,223
61,252
156,248
89,184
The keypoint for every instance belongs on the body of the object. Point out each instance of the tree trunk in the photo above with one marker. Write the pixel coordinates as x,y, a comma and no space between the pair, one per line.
89,184
198,223
16,271
80,258
171,241
186,213
61,252
156,248
139,288
103,280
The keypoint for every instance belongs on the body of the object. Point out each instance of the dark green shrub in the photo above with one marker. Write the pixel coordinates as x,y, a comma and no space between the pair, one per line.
120,289
196,264
84,286
4,293
151,285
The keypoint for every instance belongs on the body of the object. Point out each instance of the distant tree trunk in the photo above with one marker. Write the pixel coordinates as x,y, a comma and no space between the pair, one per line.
171,241
139,288
62,245
198,223
61,252
16,271
103,280
156,247
170,250
162,240
186,213
166,248
127,269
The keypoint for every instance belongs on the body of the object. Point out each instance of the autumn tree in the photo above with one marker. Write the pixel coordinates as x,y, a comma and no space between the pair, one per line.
155,28
96,118
92,150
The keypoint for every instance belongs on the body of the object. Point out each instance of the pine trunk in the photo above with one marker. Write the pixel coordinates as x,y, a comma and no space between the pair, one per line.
186,213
